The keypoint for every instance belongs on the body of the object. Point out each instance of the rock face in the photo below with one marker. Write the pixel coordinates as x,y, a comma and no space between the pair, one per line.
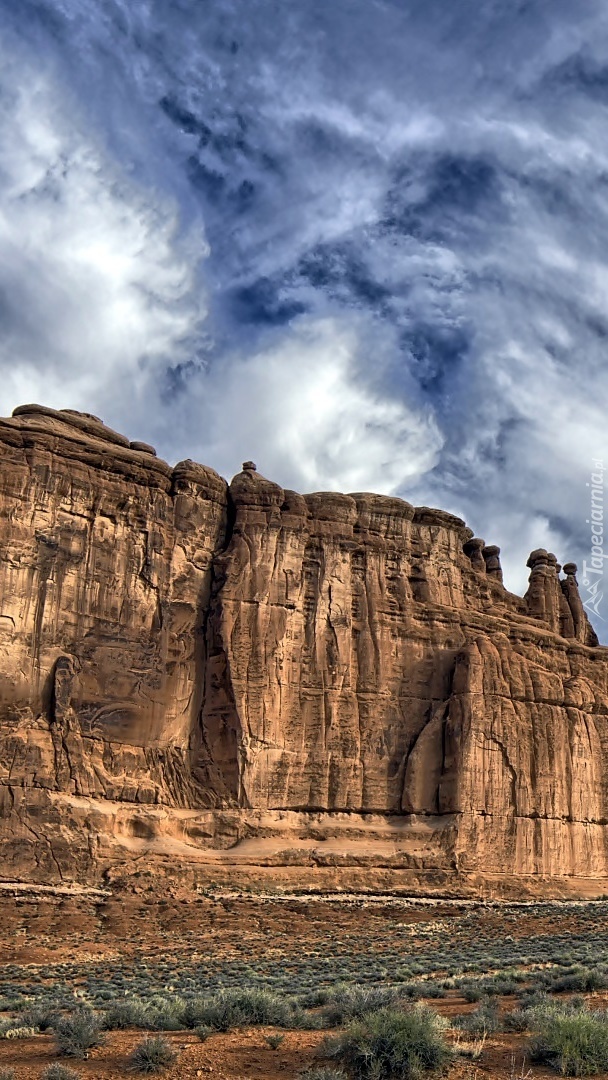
190,668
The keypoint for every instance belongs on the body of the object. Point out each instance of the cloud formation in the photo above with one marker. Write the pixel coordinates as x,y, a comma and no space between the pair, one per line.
362,242
98,289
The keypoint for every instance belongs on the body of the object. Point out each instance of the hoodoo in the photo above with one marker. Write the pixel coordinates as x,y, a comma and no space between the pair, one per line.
239,676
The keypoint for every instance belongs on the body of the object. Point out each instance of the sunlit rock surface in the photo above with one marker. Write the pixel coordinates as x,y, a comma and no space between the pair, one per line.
240,675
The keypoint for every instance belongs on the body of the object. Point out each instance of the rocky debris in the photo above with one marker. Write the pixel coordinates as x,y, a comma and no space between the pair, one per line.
186,663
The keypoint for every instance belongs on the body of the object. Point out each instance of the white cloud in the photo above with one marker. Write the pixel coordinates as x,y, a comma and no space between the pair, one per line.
99,288
299,408
442,169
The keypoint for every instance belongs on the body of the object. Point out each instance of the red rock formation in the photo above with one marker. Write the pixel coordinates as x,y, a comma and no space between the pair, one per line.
185,666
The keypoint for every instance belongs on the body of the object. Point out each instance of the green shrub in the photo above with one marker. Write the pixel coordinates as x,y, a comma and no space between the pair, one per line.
350,1001
481,1022
580,979
166,1014
533,998
14,1029
517,1020
574,1043
322,1072
77,1032
231,1008
159,1014
41,1017
503,986
393,1044
124,1014
8,1074
59,1072
274,1041
312,998
153,1055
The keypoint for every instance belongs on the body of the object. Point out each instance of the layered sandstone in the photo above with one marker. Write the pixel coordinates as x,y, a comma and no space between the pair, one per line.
236,674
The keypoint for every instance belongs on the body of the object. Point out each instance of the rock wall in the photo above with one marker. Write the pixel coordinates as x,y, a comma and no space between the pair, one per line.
104,586
188,669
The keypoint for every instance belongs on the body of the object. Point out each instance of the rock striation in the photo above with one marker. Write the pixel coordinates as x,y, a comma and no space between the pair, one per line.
229,675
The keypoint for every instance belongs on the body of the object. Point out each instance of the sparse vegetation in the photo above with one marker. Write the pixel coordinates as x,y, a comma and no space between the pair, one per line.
482,1021
381,960
154,1054
41,1017
59,1072
575,1043
323,1072
233,1008
125,1014
348,1002
15,1030
157,1014
518,1020
393,1044
77,1033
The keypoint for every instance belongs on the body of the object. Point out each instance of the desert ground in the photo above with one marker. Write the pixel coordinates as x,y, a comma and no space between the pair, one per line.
328,956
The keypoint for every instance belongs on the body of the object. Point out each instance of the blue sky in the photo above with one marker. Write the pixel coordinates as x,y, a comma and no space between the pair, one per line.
364,242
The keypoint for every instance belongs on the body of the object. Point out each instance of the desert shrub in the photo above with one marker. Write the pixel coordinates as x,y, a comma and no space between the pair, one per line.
393,1044
579,978
59,1072
203,1032
501,985
574,1043
124,1014
77,1032
274,1041
8,1074
231,1008
352,1001
481,1022
517,1020
159,1014
42,1017
18,1031
312,998
153,1055
322,1072
533,998
166,1014
402,974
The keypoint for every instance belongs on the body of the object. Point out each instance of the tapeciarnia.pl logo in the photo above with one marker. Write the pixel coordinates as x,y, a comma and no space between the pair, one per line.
593,571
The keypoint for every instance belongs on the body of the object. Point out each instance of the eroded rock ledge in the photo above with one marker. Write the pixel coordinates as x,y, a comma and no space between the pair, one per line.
189,668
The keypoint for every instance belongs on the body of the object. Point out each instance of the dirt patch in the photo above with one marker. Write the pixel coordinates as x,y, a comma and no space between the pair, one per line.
238,1054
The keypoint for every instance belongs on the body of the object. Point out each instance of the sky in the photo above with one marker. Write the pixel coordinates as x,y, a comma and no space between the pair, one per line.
361,242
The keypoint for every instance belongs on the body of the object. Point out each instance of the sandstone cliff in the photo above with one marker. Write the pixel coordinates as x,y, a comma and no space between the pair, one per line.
243,674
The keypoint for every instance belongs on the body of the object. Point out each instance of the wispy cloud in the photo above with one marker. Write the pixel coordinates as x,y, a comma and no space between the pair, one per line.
99,287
